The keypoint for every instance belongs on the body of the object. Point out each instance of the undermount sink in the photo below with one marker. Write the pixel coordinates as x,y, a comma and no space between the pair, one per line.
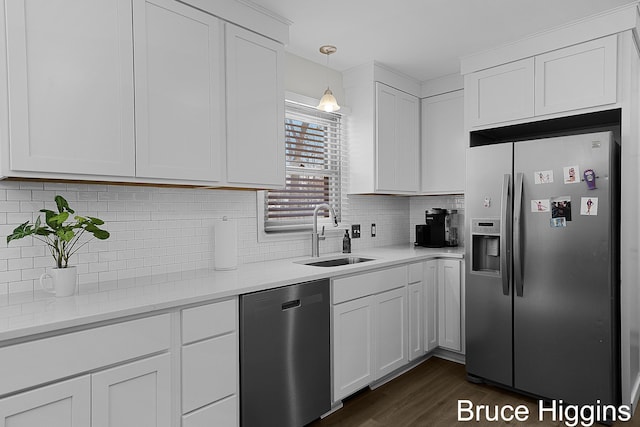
335,262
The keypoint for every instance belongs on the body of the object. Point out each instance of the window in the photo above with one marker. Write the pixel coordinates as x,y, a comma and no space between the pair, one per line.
313,170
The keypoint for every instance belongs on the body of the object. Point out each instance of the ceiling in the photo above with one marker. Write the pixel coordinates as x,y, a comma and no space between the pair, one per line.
423,39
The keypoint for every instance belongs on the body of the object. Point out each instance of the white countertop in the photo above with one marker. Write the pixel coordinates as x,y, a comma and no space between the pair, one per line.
114,299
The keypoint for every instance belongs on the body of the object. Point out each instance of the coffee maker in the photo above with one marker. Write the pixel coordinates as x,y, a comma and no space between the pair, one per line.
441,229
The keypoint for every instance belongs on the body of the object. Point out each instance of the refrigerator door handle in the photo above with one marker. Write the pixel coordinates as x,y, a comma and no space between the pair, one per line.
517,244
505,250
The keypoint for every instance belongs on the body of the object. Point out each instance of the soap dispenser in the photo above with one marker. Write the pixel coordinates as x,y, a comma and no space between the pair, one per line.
346,243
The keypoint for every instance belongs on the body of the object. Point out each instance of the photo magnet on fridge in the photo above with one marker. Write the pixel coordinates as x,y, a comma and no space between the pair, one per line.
590,179
571,174
589,206
561,207
543,177
540,205
557,222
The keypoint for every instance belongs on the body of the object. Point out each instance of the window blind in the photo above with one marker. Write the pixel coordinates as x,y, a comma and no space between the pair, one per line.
313,169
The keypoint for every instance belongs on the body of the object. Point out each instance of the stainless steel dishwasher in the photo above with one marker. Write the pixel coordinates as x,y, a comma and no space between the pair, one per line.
285,364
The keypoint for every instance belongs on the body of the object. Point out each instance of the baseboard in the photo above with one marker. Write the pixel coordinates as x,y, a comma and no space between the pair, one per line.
336,406
400,371
452,356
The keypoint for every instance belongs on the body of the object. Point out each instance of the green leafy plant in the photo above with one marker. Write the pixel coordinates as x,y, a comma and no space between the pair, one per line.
61,237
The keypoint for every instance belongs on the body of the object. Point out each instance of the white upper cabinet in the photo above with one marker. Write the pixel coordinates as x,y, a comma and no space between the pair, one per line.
70,77
179,74
68,68
384,131
576,77
444,141
255,110
500,94
397,140
582,76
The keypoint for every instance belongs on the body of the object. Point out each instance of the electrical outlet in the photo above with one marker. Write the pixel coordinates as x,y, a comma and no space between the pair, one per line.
373,230
355,231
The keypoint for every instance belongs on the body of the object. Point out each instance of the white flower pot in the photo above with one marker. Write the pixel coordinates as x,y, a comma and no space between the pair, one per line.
63,281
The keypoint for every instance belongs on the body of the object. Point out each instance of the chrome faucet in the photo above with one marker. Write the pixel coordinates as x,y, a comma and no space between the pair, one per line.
315,237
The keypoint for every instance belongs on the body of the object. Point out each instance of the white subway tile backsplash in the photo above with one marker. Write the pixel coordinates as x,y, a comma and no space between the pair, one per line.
159,230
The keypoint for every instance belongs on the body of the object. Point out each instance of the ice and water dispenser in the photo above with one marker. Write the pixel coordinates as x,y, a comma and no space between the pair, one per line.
485,245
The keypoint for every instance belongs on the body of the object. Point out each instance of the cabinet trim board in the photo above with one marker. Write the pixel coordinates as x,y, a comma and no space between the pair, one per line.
604,24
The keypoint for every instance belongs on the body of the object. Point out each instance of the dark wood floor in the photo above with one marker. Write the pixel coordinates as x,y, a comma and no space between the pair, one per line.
428,396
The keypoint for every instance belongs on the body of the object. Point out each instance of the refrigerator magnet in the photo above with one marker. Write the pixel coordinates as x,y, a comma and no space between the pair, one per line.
590,179
543,177
561,207
557,222
571,174
540,205
589,206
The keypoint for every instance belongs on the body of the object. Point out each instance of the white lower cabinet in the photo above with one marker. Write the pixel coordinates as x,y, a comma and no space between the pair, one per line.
352,346
65,404
370,328
128,374
390,349
137,394
449,304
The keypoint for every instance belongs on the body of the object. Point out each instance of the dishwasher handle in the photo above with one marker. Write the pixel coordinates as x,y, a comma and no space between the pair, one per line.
290,304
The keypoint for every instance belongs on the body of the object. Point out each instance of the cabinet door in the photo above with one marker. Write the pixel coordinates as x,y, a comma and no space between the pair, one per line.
449,304
578,76
255,110
134,395
179,75
500,93
390,339
397,140
416,322
70,67
430,304
65,404
352,346
444,141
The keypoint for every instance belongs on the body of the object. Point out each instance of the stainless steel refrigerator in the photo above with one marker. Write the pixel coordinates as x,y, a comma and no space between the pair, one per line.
542,269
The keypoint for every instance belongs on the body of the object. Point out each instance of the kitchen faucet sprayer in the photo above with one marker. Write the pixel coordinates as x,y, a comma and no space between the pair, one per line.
315,237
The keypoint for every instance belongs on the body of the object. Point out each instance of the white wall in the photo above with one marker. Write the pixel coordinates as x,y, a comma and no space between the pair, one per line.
310,79
418,205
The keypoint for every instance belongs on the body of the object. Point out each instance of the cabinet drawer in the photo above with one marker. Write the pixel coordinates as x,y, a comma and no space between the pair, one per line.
36,362
209,320
209,371
221,414
348,288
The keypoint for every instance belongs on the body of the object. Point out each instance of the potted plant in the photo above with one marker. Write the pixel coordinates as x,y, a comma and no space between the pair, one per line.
63,240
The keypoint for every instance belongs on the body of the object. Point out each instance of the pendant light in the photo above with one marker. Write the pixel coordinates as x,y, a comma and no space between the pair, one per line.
328,102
